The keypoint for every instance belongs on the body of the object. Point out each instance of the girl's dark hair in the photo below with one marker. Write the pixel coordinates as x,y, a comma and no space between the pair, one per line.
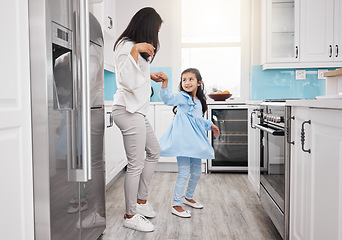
143,27
200,90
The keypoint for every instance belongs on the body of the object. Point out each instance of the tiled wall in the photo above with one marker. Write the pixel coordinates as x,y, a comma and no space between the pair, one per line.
281,83
110,83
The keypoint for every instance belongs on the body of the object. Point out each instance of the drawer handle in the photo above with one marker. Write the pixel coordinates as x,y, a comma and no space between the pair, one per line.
336,51
302,136
288,133
110,26
330,50
252,113
110,119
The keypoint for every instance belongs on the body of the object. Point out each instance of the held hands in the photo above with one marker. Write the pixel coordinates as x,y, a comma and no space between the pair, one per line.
215,130
160,77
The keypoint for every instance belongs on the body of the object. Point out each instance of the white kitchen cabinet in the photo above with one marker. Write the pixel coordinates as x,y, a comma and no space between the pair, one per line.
114,152
301,34
254,148
320,34
17,170
162,120
281,31
316,170
104,12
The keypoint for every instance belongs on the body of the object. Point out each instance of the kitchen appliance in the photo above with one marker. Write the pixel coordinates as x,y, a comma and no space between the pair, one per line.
231,146
66,51
274,170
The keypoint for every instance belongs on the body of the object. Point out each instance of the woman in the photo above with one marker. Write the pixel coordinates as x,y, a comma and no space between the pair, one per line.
134,50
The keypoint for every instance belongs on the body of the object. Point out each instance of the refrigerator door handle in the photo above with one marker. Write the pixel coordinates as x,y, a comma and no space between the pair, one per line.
85,92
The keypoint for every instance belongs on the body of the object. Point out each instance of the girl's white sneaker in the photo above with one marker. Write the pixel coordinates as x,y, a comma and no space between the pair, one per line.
184,214
139,222
194,205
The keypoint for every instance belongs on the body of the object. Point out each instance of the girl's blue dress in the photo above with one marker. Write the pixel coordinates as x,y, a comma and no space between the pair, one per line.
186,136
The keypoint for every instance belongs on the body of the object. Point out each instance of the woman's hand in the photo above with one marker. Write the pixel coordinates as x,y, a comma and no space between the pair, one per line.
215,130
141,47
156,77
160,77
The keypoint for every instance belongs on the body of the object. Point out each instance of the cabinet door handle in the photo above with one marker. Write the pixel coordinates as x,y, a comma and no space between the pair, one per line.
302,136
297,52
110,119
252,113
330,50
110,26
288,130
336,51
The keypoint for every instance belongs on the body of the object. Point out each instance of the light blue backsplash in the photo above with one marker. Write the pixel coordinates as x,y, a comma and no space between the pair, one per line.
281,83
110,83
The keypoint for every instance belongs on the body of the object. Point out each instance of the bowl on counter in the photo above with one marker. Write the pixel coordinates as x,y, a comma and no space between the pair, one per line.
220,96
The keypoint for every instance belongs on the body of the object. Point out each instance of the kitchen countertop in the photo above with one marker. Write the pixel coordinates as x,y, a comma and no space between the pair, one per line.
330,103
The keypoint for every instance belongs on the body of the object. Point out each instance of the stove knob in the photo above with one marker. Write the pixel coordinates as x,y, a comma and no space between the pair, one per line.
277,119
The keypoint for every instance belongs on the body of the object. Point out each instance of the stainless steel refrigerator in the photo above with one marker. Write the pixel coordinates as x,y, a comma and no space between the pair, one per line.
66,56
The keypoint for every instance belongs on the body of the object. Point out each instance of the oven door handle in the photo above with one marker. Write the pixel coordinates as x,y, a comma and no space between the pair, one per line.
275,132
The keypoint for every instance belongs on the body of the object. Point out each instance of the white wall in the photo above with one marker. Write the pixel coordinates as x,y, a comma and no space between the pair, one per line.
169,54
256,33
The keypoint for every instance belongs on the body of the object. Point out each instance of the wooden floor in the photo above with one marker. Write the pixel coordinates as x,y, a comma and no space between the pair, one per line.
232,210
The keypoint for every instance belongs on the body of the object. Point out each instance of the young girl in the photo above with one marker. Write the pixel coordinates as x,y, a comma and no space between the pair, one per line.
134,50
186,138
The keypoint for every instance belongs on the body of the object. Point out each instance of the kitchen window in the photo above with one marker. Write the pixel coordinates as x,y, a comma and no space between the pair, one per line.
215,39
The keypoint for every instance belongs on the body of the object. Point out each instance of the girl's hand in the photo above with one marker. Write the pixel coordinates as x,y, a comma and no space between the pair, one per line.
215,130
156,77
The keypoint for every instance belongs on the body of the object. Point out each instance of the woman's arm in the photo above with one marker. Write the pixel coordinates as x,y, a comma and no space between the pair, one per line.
129,74
141,47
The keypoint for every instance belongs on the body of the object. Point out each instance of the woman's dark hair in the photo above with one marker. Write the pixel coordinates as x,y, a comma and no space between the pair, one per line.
200,90
143,27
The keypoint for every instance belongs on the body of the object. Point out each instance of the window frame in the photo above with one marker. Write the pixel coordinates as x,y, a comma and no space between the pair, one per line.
244,44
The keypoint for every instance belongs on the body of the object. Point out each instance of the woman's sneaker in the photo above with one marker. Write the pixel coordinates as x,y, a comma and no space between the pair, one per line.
139,222
146,210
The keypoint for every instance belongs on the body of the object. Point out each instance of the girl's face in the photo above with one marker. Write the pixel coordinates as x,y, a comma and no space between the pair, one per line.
190,83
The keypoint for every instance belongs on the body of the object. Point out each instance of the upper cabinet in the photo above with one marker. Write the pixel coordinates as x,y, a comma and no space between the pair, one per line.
281,32
301,34
104,12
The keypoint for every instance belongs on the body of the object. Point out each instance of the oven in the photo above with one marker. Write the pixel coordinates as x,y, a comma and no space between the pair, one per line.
274,172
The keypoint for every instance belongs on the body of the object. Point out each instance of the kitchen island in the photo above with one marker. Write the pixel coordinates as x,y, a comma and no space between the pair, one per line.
315,145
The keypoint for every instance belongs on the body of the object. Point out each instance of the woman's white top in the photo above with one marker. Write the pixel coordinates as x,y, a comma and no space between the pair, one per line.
132,79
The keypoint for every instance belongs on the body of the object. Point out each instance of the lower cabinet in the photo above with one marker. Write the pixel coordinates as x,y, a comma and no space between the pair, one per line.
115,155
316,174
254,148
163,117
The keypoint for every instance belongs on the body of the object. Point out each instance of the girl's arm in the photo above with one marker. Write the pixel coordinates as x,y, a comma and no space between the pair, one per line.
170,99
209,125
215,130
